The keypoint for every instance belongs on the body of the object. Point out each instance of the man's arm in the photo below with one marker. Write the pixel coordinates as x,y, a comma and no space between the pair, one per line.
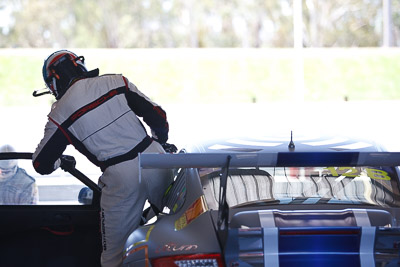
153,115
45,159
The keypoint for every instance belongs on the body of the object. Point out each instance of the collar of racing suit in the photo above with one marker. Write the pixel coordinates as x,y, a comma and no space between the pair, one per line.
89,74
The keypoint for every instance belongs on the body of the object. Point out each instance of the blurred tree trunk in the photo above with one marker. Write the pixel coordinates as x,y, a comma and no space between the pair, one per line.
109,23
387,23
193,26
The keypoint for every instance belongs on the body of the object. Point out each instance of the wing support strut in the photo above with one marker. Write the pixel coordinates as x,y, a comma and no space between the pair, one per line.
223,208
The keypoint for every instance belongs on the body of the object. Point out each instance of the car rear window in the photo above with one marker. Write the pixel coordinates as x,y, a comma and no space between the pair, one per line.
376,186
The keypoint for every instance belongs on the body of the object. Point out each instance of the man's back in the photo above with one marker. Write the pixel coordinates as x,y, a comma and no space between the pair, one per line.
95,111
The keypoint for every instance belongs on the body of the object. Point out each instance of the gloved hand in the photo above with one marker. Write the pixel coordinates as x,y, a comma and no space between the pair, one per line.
67,162
169,148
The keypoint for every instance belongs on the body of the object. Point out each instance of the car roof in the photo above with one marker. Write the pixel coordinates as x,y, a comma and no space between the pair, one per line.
274,143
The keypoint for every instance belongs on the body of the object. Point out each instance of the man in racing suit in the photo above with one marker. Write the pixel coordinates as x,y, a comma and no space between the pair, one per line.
16,186
98,115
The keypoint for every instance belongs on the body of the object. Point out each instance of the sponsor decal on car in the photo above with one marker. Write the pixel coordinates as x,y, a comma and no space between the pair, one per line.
146,253
172,247
198,207
130,249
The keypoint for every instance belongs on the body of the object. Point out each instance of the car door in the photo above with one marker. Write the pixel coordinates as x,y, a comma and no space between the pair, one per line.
61,227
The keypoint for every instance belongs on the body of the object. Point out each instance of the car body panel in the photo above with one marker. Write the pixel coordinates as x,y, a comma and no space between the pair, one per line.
177,234
277,143
51,234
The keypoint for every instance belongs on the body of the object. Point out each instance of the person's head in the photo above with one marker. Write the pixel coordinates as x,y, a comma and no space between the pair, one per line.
61,69
8,168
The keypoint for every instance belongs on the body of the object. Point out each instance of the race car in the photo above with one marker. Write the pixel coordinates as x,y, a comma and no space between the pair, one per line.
267,201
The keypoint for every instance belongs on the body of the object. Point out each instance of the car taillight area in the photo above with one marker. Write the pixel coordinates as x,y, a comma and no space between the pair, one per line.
192,260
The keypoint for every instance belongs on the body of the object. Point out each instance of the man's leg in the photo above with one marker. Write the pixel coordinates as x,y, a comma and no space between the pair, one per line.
122,204
157,180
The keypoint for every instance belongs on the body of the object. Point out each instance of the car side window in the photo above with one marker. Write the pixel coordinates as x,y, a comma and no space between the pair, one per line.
176,195
20,184
17,187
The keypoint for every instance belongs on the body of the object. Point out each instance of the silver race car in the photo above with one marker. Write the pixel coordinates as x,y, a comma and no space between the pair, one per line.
273,202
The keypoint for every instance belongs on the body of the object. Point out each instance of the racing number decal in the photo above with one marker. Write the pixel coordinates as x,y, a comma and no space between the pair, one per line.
378,174
352,172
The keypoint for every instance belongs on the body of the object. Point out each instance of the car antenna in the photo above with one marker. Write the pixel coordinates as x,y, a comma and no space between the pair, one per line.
291,144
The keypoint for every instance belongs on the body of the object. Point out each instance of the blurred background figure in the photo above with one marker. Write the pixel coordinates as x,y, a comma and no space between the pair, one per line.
16,186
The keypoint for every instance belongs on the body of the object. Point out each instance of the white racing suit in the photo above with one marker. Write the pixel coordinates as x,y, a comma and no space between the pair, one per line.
99,116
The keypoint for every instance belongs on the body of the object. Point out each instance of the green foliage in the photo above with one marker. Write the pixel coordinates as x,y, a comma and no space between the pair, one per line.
20,75
219,75
356,75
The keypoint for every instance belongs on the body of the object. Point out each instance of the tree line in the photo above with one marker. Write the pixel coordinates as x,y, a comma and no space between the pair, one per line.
192,23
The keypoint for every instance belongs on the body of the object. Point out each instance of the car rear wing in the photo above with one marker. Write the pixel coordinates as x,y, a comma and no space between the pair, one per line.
278,159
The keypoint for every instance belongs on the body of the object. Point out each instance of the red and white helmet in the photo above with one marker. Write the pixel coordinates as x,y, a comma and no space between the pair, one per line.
61,69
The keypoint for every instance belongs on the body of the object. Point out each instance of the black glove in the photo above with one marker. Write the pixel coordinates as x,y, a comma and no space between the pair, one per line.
67,162
169,148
